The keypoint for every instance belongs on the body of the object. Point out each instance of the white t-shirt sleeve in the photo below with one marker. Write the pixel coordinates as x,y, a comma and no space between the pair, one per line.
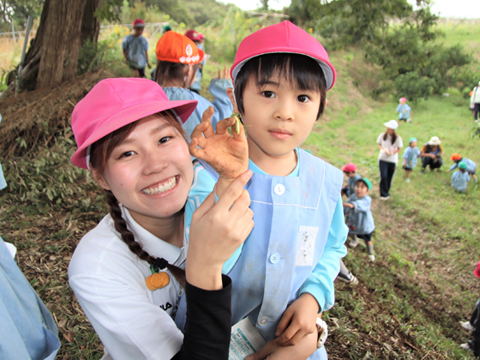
380,139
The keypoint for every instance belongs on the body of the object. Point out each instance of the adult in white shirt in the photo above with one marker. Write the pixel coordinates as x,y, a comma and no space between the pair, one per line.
390,144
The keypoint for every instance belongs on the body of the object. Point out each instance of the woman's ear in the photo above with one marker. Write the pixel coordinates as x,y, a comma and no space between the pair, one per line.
232,99
99,179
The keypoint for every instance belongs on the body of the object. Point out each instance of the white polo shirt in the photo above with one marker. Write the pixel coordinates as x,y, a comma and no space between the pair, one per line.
132,321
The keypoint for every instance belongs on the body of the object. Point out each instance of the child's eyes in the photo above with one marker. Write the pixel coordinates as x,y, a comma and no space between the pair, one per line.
303,98
268,94
165,139
126,154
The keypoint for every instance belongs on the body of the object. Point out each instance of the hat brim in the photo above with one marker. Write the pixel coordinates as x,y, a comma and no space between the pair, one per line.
325,65
390,126
181,109
435,143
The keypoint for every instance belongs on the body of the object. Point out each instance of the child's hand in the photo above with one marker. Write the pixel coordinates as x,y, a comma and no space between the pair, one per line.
306,347
226,154
223,75
351,206
300,317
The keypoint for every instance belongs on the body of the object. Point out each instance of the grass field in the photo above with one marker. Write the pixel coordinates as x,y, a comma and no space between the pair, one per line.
407,304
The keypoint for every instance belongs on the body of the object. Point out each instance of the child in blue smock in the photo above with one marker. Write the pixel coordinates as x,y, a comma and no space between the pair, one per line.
359,217
403,111
471,165
460,178
135,49
285,270
178,61
350,171
410,156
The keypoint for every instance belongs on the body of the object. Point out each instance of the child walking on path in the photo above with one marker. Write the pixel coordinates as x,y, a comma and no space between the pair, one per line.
350,170
460,178
291,258
403,111
471,166
135,49
127,273
390,144
410,156
178,61
359,218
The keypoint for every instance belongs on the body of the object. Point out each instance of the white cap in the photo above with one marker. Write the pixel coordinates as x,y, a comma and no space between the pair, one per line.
392,124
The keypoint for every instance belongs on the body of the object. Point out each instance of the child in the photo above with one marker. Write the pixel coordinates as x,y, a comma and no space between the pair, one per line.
410,156
197,37
359,216
460,178
127,273
281,75
474,324
135,49
403,111
471,166
178,61
350,171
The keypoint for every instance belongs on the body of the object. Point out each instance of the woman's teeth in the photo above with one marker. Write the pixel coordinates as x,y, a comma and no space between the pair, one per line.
160,188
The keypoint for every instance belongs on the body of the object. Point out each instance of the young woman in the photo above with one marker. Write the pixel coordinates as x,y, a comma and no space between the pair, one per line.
390,144
127,272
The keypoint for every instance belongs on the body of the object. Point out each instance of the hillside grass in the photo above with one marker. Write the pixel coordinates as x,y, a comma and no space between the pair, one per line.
408,303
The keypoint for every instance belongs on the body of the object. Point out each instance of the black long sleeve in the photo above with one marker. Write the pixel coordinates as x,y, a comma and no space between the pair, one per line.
208,323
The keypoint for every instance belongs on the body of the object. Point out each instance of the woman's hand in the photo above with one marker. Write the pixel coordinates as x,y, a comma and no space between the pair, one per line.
226,154
216,231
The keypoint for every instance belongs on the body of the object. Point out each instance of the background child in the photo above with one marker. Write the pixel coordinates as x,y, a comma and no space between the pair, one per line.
410,156
135,49
359,216
291,258
197,37
460,178
403,111
349,170
178,60
471,165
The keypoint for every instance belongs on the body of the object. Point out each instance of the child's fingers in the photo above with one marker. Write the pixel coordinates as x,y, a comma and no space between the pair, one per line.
287,336
225,73
263,353
207,118
284,321
224,124
295,339
220,73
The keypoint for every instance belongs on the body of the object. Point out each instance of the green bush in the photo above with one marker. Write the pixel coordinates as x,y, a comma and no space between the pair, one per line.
413,86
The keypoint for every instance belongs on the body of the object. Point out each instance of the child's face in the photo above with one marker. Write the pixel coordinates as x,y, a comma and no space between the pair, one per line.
413,144
349,173
150,172
278,118
138,30
361,189
402,102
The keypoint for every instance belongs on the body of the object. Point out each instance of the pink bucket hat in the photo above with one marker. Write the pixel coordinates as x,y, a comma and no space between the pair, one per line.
476,272
114,103
283,38
349,167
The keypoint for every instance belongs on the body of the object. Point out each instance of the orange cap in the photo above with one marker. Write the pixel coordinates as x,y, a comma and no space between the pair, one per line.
455,157
175,47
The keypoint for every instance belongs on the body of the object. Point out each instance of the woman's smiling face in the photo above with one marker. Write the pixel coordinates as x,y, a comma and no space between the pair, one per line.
150,172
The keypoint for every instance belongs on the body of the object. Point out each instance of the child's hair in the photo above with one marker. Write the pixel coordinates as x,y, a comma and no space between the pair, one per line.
99,154
299,70
394,136
167,71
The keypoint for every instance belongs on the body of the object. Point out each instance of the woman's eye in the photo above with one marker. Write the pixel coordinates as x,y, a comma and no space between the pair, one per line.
268,94
164,139
303,98
126,154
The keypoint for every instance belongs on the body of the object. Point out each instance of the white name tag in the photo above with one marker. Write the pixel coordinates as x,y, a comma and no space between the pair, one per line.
306,245
245,340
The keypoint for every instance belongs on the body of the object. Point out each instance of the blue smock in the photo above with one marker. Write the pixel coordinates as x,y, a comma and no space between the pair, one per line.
198,76
135,48
222,104
404,111
471,166
351,182
411,155
460,180
28,330
295,246
360,218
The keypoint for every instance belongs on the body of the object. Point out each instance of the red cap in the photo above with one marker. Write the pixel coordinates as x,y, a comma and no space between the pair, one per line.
193,35
283,38
138,22
349,167
455,157
175,47
476,272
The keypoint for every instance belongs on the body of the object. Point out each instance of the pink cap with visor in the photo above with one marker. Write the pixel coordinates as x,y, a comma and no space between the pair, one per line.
349,167
283,38
114,103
